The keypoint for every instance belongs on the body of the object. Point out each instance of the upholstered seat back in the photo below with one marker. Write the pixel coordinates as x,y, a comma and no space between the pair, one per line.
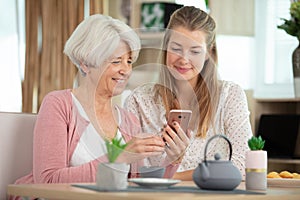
16,143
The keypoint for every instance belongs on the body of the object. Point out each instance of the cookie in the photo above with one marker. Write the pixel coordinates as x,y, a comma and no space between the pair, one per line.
286,174
296,176
273,175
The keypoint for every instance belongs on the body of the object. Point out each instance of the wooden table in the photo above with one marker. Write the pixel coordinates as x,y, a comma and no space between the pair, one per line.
68,192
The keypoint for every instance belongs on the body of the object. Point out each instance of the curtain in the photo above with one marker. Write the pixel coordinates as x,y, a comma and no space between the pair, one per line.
99,6
49,23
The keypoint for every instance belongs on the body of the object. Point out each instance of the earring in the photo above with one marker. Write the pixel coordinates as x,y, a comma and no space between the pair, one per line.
84,68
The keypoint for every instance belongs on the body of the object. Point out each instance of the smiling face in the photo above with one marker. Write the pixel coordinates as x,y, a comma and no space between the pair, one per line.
117,71
186,54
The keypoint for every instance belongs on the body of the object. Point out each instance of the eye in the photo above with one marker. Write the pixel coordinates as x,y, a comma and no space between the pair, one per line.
195,52
115,62
175,49
129,62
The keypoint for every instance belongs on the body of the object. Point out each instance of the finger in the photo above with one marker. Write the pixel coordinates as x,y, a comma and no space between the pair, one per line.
170,131
175,141
180,133
146,135
172,146
130,157
151,148
171,156
140,147
188,133
153,140
167,138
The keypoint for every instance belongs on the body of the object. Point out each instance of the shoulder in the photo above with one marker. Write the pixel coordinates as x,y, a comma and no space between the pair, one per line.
229,89
144,90
232,95
58,99
229,85
59,95
140,96
126,114
128,119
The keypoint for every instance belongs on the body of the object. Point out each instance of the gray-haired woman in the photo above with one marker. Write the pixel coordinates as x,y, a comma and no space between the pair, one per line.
73,124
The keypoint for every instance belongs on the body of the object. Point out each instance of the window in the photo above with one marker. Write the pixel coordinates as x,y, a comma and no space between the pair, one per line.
12,51
235,58
274,49
262,62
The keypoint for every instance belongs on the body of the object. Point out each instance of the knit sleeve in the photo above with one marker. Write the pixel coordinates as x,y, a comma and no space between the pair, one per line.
53,138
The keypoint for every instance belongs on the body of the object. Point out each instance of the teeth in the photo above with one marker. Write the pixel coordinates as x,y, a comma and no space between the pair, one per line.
119,80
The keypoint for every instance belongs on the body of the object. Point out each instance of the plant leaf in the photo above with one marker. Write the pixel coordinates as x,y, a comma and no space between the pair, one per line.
114,148
256,143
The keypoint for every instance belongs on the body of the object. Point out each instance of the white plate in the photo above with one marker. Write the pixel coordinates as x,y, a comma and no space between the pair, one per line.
283,182
154,182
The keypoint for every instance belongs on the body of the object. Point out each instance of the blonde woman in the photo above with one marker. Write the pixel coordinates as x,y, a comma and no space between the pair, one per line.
189,80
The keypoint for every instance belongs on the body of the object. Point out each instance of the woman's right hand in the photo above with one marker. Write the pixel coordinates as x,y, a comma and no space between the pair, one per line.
177,141
141,147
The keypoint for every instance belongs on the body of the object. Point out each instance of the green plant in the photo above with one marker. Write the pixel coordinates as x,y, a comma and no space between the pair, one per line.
256,143
114,148
292,26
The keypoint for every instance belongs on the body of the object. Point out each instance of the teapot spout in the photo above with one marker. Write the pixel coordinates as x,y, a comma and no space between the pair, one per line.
201,173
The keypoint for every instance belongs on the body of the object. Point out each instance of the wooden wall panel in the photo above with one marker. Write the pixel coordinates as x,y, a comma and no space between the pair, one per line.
99,6
46,67
30,84
233,17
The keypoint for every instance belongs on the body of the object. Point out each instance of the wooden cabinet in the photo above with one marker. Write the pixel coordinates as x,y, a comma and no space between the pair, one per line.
274,106
233,17
148,39
278,106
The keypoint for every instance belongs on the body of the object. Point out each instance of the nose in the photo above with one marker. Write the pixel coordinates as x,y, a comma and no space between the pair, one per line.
126,67
184,58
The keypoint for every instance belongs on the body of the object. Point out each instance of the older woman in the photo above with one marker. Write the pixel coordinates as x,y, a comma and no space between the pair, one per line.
73,124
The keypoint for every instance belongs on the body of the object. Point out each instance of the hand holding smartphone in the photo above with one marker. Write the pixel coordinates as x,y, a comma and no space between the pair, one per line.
183,117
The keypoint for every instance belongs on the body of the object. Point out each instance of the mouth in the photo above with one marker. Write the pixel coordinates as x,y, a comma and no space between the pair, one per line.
182,70
120,80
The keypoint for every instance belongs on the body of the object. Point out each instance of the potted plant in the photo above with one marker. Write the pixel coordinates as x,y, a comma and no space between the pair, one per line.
256,164
113,175
292,27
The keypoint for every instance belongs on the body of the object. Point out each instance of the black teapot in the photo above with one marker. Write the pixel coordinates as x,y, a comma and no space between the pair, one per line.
217,174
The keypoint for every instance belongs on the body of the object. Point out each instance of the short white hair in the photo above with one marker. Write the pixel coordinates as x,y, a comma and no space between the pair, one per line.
96,38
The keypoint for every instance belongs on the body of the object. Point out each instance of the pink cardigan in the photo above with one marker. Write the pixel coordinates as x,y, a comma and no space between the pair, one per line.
57,131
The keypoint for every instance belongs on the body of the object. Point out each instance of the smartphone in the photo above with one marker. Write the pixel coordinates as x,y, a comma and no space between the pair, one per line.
183,117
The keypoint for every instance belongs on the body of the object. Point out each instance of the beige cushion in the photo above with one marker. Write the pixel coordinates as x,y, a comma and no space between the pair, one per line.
16,144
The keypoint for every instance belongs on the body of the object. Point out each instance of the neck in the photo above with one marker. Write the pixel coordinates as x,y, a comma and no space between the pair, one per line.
185,94
100,111
89,98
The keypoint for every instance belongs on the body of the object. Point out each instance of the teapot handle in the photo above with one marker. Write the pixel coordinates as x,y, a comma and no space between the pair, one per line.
213,137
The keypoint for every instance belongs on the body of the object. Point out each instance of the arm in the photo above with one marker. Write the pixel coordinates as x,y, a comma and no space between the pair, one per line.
141,104
237,125
53,140
152,116
132,106
184,176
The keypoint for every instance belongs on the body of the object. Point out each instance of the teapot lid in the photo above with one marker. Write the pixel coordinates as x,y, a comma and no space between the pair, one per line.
213,137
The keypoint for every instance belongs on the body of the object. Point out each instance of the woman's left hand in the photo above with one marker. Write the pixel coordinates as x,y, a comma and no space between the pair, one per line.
176,142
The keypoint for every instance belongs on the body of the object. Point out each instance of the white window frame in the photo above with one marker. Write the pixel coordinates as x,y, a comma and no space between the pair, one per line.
267,37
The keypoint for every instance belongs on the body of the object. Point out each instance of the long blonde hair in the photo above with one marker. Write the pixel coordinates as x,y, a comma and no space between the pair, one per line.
207,86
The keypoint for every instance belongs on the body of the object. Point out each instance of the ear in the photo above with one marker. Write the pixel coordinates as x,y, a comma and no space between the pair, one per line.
206,56
84,68
208,53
